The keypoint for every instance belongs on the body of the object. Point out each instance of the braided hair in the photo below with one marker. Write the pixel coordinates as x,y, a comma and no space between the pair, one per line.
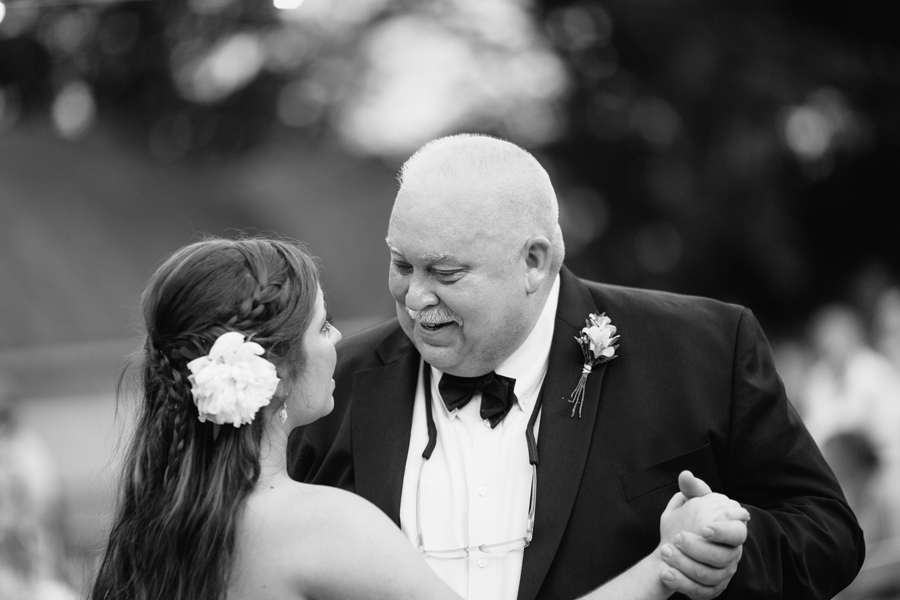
184,481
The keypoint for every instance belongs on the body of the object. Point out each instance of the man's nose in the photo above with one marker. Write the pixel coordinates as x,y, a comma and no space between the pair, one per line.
420,293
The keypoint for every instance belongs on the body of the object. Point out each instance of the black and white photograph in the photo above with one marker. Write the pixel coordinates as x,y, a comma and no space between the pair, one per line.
449,299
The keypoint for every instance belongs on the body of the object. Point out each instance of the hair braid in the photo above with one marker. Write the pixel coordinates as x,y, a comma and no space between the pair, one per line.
173,408
183,488
259,304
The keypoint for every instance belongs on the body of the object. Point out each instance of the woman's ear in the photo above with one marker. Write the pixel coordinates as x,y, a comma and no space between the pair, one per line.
283,389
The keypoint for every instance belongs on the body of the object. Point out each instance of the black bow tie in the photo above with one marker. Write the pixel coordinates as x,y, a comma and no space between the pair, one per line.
497,395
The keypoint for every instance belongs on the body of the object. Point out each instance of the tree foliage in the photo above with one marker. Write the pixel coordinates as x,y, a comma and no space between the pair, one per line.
740,150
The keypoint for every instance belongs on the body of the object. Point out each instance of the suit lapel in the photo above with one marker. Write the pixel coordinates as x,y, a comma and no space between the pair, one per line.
563,440
381,421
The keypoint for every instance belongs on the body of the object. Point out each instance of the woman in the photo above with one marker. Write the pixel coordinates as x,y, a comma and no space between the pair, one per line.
238,352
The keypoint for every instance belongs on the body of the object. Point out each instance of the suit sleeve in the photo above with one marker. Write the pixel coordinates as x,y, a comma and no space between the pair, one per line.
803,540
322,456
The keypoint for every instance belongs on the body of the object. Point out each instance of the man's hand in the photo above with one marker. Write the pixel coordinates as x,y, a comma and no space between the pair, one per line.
701,539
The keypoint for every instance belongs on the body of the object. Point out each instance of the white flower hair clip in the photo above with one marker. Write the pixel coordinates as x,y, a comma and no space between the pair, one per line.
598,344
233,381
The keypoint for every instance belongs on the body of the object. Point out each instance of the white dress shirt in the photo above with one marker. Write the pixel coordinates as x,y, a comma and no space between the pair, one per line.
476,486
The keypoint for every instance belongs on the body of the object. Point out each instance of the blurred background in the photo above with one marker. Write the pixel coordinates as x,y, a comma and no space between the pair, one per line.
744,151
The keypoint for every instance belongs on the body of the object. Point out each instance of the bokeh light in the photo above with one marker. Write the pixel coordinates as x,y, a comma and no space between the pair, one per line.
74,110
509,81
822,126
214,73
288,4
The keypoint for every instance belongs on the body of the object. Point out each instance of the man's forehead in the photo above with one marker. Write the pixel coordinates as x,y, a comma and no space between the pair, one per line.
457,200
424,256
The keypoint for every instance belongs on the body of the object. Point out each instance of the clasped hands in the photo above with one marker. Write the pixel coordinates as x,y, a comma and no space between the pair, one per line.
701,539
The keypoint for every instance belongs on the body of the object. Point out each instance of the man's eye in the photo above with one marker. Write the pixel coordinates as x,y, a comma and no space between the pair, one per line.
402,267
448,276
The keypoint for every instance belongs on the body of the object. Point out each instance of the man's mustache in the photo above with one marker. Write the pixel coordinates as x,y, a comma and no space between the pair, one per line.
434,316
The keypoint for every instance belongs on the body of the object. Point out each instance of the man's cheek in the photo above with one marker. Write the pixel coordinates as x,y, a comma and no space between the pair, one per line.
397,289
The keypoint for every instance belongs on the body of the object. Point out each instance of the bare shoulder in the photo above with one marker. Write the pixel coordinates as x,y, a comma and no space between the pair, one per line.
333,544
294,507
283,528
295,515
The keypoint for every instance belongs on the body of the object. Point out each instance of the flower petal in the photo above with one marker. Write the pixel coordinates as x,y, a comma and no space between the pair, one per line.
233,382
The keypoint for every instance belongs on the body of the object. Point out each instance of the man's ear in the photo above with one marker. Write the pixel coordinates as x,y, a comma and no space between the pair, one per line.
537,252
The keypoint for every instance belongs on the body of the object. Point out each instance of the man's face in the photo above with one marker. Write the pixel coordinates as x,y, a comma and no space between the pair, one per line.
459,284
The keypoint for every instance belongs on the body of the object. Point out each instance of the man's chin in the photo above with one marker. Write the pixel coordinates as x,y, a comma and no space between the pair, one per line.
441,357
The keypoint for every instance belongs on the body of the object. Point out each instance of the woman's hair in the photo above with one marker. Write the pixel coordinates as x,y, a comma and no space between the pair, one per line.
184,481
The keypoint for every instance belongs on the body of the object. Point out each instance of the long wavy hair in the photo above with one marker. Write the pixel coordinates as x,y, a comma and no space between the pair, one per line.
183,483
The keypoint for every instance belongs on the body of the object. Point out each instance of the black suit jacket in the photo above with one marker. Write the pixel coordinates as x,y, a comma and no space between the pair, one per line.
693,387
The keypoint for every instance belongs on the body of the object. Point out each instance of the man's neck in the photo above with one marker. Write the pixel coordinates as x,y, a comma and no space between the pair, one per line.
536,344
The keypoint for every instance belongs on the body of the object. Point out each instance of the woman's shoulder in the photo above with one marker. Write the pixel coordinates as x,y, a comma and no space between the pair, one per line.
333,544
288,531
317,522
291,508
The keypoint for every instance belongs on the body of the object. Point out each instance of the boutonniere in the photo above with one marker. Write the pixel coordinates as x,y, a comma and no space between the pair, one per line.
598,344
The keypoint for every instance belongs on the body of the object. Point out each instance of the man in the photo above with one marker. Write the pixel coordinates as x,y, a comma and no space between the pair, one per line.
477,274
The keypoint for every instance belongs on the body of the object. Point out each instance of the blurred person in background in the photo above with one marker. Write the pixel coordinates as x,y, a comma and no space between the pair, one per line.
886,324
32,548
484,303
851,386
886,335
857,465
238,352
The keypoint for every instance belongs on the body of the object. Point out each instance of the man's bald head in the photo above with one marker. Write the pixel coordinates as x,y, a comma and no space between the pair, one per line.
475,248
492,181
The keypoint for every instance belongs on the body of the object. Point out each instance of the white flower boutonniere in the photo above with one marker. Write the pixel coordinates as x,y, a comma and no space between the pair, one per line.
233,381
598,344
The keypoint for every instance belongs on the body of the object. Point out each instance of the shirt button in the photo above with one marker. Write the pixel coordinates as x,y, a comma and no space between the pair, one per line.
487,423
482,562
482,491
